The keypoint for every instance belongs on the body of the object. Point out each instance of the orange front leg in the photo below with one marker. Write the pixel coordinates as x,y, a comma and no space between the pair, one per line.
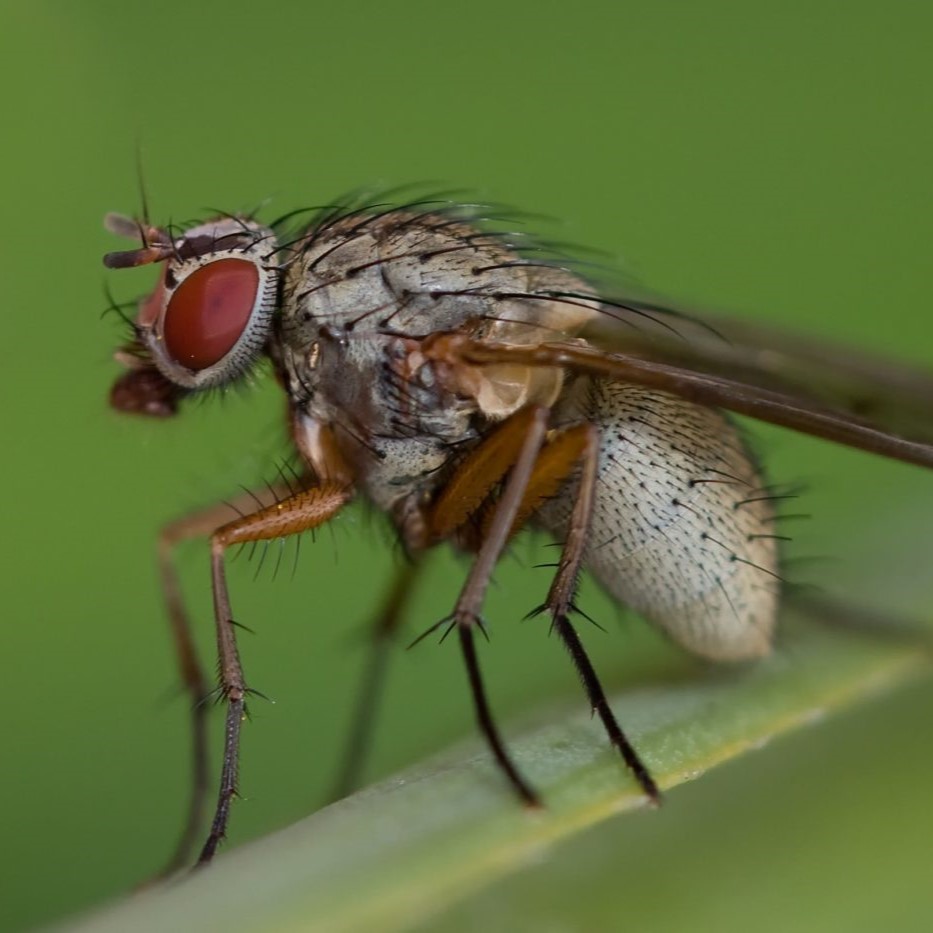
196,525
299,512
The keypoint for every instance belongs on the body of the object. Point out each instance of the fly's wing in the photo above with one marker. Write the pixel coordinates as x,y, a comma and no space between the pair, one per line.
892,396
806,385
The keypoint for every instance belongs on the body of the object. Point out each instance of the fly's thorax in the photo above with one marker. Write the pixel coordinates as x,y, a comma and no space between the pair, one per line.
361,295
393,425
420,274
683,527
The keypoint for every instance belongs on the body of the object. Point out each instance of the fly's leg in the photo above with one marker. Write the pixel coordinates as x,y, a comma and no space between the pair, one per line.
559,604
464,494
559,457
525,791
299,512
524,432
386,625
197,525
474,479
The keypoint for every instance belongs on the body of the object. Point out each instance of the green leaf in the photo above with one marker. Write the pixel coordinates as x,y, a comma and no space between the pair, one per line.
407,848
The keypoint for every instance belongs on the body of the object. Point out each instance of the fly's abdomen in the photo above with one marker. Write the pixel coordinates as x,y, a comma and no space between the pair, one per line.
682,528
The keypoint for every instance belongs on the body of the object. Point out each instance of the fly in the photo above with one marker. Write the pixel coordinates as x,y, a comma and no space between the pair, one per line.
469,385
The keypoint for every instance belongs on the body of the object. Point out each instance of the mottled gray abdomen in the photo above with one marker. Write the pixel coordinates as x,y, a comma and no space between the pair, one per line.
682,530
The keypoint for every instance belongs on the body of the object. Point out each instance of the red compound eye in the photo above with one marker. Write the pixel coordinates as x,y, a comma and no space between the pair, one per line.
209,311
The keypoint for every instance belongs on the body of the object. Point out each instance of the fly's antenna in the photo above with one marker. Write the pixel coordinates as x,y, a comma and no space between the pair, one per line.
157,243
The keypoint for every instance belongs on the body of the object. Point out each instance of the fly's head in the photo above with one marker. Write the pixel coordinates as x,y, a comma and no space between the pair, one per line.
209,317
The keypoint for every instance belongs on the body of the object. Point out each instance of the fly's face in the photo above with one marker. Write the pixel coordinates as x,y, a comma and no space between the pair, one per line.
209,316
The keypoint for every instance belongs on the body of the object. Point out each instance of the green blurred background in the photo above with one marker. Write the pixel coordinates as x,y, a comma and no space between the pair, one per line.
771,158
